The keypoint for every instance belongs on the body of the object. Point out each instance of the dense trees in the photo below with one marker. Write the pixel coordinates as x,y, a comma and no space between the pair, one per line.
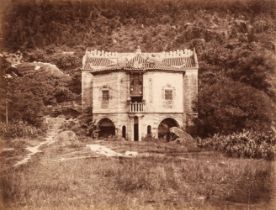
226,106
94,23
233,39
26,94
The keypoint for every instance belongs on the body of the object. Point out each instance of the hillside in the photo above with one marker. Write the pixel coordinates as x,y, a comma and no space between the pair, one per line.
235,42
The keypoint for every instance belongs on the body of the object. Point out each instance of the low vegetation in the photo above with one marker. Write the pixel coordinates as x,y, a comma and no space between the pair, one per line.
170,181
19,129
246,144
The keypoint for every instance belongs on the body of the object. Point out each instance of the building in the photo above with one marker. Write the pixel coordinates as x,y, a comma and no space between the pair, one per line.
137,94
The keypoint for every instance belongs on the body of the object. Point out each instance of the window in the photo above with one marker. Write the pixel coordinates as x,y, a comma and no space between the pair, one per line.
168,94
105,95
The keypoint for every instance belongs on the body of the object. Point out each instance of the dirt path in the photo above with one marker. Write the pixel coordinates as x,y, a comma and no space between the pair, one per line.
53,129
105,151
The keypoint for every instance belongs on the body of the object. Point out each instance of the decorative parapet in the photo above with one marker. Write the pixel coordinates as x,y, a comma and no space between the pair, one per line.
111,55
97,60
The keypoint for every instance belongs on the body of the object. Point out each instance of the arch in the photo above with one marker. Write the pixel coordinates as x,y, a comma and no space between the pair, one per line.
106,128
124,131
164,128
148,130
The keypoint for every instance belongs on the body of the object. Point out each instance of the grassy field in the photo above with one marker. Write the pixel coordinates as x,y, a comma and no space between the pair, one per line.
162,176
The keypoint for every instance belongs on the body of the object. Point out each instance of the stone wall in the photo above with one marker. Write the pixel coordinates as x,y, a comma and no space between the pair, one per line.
156,109
86,92
152,119
190,87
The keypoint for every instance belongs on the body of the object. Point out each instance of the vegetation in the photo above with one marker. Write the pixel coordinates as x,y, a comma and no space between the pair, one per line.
227,106
27,94
235,44
163,178
19,129
233,39
246,144
93,23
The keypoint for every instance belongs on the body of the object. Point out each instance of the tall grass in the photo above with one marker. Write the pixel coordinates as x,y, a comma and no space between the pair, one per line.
139,183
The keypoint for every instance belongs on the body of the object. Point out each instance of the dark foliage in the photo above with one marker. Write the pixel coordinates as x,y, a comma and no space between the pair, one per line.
227,106
26,96
93,23
233,39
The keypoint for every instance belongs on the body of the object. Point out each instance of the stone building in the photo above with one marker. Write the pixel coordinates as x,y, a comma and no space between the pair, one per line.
139,94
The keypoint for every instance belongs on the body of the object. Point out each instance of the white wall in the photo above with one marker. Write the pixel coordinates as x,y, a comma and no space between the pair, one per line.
117,84
154,85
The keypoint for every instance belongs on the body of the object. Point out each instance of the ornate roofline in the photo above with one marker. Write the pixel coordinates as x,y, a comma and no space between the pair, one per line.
99,60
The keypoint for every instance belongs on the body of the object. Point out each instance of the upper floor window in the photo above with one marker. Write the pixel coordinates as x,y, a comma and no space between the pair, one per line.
105,95
168,94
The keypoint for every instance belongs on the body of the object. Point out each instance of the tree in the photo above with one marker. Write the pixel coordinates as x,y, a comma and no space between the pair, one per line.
226,106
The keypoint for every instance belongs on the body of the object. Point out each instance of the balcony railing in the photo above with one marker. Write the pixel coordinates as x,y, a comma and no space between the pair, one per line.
135,107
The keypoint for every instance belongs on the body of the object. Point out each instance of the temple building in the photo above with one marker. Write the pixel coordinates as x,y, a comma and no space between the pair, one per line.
140,94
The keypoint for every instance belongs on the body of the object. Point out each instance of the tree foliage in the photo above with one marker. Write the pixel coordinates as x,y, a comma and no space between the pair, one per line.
234,41
26,96
226,106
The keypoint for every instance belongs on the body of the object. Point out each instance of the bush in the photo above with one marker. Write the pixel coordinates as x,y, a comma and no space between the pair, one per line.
19,129
249,144
228,106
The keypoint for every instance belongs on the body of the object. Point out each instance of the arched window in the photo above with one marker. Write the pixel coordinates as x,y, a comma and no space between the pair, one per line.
149,130
124,131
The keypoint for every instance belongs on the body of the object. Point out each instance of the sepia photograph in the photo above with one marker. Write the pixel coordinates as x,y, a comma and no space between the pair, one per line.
137,104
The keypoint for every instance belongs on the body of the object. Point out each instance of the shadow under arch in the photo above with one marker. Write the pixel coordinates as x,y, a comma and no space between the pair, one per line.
106,128
164,128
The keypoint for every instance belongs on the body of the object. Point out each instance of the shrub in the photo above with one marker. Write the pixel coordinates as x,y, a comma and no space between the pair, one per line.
249,144
19,129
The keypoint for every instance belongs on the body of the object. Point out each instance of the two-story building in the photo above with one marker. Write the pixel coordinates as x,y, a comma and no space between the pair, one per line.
138,94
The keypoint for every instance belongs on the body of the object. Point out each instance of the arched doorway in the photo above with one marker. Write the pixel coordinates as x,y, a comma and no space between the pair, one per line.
136,128
124,131
106,128
164,129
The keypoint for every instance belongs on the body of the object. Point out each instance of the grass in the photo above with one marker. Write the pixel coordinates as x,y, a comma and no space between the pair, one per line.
200,181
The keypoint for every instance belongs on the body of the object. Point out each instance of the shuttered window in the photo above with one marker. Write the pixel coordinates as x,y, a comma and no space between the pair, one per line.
105,95
168,95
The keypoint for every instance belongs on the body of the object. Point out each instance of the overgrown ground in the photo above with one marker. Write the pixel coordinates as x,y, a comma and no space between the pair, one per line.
161,176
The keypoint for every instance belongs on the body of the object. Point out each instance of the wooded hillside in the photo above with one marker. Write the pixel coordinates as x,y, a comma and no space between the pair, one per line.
235,42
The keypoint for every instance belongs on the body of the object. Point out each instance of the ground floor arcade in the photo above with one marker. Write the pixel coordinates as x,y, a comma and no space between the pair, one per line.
137,127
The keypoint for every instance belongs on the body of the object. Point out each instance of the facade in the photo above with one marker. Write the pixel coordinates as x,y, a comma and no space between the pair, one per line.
135,95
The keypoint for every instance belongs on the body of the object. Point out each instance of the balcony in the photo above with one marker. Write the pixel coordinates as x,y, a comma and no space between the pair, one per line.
136,107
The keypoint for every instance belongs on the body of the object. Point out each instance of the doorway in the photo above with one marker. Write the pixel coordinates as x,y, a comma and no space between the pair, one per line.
136,129
124,131
164,129
106,128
